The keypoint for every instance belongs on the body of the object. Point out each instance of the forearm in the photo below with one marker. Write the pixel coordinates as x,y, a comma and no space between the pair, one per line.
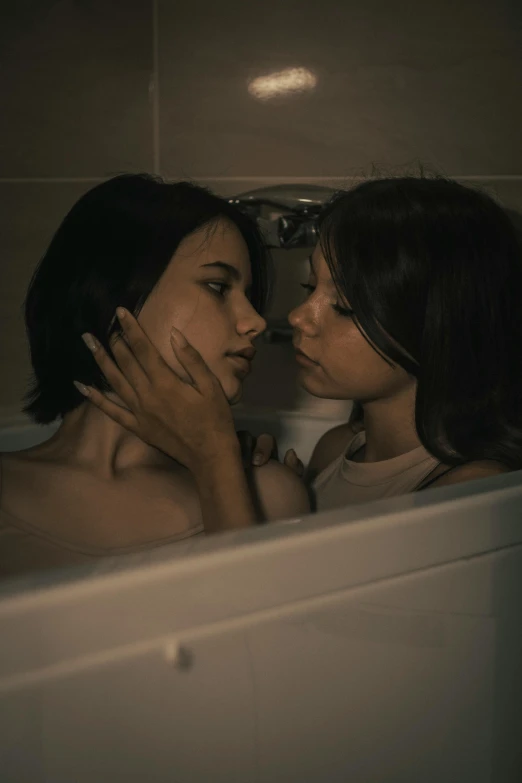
226,502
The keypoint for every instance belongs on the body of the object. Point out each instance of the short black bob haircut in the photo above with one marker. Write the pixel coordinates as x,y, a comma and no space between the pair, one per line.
437,267
111,249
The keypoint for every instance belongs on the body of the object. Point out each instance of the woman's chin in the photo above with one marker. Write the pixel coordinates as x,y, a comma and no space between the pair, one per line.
315,387
234,400
233,390
309,384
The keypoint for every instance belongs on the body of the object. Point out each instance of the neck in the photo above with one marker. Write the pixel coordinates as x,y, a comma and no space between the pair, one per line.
89,439
389,426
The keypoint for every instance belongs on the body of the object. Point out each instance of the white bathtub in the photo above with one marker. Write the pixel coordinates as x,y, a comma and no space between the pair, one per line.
380,643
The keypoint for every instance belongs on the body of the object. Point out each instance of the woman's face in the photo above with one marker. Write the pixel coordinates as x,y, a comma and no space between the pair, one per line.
341,364
204,293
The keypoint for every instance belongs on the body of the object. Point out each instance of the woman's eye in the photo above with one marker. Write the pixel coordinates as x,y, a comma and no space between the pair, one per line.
346,311
343,310
220,288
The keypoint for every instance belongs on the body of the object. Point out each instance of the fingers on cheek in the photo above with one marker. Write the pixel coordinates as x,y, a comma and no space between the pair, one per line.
125,339
116,341
180,371
118,347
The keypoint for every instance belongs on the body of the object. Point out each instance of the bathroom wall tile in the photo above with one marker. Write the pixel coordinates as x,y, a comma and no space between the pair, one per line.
438,83
74,79
30,215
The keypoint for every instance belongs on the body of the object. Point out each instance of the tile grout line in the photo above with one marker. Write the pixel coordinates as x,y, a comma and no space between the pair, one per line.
254,177
65,180
155,89
331,178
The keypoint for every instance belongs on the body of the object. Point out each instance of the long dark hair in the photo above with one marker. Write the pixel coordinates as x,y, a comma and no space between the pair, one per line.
112,248
437,267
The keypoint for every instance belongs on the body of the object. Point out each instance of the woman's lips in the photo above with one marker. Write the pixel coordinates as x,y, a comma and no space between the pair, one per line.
303,359
243,364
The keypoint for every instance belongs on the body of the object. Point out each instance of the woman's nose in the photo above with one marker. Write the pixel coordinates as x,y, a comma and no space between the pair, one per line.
260,325
252,324
299,318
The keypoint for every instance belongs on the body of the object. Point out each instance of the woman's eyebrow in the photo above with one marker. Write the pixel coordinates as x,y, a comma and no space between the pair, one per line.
234,273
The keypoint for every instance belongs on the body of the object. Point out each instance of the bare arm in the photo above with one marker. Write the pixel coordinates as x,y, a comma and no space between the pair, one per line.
229,501
225,498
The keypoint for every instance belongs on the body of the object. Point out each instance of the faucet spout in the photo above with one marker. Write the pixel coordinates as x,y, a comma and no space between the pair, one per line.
286,214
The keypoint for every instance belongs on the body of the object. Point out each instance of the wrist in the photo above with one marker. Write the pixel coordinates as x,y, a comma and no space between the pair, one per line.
223,491
218,458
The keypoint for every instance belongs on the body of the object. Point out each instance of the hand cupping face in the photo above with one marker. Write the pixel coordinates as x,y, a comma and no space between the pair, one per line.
190,422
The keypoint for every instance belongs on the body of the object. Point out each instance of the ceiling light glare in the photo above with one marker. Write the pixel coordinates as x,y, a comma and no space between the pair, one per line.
287,82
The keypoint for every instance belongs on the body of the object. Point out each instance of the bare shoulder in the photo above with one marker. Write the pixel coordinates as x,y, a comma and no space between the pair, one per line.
282,494
471,471
13,462
328,447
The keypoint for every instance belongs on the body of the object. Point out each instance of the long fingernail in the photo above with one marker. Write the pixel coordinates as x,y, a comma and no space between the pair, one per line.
82,388
89,341
178,337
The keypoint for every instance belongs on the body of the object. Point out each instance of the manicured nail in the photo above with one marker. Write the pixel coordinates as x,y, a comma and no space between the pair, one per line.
82,388
89,341
178,337
257,459
120,312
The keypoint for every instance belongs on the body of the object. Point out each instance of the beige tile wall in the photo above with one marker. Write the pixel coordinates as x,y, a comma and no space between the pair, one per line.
93,88
435,81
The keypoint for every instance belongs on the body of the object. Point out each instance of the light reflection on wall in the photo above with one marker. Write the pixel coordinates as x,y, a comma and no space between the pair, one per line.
287,82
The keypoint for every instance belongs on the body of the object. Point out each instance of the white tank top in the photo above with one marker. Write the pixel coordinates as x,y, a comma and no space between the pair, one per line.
345,482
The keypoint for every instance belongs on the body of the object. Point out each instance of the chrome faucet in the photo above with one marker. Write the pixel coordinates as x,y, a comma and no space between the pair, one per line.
286,214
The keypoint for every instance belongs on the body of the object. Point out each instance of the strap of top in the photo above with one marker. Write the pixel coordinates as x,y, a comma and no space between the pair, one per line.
424,484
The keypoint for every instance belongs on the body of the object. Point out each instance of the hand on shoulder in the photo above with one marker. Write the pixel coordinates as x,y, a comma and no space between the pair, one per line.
281,493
